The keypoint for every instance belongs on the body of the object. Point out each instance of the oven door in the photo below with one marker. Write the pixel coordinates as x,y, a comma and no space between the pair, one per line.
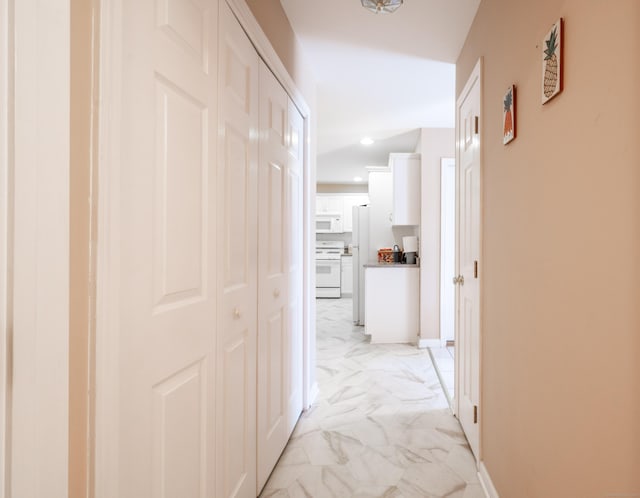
328,278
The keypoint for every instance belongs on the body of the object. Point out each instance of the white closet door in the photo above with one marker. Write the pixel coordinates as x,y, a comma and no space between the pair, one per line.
160,246
237,277
295,235
273,323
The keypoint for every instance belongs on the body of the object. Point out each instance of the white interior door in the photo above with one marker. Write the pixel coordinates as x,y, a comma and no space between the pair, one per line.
295,237
158,251
273,295
447,248
238,222
468,244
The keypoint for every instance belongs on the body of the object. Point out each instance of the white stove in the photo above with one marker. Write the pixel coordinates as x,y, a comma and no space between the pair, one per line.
328,261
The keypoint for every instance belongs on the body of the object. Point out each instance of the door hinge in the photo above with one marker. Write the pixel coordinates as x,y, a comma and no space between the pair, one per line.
475,414
475,269
476,124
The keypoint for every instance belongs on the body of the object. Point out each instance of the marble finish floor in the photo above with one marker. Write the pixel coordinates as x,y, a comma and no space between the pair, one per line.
380,427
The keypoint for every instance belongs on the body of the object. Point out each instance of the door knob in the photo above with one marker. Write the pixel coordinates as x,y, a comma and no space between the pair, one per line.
458,280
455,280
276,293
236,313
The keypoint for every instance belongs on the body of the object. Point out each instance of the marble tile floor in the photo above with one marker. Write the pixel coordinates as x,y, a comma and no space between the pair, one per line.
381,426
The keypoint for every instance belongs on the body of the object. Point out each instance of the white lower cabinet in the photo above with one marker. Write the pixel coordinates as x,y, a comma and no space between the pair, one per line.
346,276
392,297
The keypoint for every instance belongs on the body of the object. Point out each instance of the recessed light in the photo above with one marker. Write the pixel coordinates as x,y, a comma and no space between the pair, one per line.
366,141
357,178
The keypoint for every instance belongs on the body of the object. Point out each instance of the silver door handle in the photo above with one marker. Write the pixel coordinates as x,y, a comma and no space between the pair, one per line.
458,280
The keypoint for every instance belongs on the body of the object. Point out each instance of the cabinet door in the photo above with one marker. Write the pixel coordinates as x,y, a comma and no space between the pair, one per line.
406,189
329,204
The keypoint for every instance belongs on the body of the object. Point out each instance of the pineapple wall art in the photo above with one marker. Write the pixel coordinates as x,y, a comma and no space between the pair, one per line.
509,115
552,62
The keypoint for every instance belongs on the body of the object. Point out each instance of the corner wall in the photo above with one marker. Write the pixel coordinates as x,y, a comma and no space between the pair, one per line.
436,143
560,408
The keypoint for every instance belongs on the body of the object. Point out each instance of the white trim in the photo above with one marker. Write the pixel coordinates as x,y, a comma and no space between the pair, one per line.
5,236
446,162
431,343
40,244
314,391
268,54
106,462
486,482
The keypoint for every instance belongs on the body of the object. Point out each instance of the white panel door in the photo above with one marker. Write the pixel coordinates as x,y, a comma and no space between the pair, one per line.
295,234
162,217
273,295
237,277
468,249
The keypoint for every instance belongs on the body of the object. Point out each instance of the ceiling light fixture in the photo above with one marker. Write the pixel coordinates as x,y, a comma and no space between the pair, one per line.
357,178
366,141
382,6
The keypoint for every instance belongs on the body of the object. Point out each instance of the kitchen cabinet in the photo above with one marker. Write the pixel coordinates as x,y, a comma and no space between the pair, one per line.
329,204
392,298
348,202
406,188
346,275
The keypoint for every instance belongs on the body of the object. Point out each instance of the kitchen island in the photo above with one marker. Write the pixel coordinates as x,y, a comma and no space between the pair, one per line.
392,297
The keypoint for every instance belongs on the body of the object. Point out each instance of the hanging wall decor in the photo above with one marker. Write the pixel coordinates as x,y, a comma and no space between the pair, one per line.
552,62
509,115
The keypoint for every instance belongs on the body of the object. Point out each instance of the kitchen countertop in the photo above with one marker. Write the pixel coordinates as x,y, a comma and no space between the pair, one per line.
347,254
389,265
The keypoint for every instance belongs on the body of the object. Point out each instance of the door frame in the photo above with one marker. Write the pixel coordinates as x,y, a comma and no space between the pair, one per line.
106,478
446,162
34,247
6,195
476,74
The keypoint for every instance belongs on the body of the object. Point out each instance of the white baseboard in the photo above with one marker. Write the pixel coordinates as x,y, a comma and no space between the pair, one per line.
313,394
486,483
429,343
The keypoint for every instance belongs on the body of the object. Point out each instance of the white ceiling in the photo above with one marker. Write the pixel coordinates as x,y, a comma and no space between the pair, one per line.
377,75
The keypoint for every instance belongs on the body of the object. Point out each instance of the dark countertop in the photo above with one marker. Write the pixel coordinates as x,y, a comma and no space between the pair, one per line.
389,265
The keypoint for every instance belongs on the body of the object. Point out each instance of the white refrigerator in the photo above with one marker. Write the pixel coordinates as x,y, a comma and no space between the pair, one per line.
360,250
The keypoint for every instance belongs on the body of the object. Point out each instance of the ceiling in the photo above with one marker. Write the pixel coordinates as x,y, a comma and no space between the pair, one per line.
377,75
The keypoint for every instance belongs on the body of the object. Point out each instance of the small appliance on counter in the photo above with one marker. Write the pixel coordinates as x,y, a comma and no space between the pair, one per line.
410,245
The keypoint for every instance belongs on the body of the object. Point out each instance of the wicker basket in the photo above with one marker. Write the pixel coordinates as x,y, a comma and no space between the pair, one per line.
385,255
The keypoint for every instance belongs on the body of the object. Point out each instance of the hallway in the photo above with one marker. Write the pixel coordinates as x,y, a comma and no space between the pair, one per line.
381,426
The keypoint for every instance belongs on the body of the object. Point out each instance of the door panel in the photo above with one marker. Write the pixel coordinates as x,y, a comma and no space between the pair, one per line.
468,242
237,197
295,245
165,213
273,367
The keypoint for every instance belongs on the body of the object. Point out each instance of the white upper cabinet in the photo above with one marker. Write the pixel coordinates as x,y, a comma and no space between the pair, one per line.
406,188
329,204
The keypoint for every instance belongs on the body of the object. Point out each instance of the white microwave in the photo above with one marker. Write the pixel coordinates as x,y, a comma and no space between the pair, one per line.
329,223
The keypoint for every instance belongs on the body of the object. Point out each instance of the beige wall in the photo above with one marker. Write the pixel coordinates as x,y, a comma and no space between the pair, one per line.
561,251
435,143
